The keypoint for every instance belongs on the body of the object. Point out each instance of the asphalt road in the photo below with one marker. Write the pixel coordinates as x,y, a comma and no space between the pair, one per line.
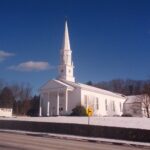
11,141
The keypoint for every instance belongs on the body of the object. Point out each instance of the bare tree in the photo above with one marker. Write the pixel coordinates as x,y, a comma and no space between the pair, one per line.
2,85
126,87
146,105
15,88
146,99
27,91
22,94
22,91
117,85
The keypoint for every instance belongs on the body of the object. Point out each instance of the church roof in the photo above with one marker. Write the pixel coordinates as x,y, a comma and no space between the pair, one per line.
59,84
94,89
134,99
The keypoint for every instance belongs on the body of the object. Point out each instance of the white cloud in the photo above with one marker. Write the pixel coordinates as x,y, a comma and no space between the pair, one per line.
31,66
4,55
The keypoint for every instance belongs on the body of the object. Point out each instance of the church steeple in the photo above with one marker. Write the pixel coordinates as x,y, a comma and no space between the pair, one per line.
66,40
66,64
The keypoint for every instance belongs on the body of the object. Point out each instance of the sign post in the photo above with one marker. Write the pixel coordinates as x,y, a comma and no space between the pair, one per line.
89,113
88,120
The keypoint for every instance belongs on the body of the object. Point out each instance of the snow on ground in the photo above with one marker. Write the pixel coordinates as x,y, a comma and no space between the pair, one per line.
127,122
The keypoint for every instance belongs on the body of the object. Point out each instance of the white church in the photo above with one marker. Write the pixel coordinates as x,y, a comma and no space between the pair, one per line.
59,96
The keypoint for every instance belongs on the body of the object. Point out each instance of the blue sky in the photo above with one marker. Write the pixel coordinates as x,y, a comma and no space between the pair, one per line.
109,39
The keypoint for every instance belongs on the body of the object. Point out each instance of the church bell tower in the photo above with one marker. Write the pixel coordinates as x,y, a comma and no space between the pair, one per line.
66,66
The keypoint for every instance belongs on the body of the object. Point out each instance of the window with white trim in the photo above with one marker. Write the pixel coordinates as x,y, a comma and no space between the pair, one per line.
113,106
120,106
85,101
106,105
97,103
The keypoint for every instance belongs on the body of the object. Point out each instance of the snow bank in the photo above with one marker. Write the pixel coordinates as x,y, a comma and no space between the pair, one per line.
126,122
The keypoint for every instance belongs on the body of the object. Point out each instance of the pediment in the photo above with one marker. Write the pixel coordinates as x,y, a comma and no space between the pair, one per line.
54,84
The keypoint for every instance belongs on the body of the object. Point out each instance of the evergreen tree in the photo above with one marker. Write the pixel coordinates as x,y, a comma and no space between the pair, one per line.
6,98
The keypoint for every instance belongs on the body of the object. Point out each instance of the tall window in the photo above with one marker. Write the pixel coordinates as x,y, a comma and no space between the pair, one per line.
97,103
113,106
120,106
85,101
106,105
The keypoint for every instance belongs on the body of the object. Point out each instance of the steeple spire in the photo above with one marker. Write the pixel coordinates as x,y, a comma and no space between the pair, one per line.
66,64
66,41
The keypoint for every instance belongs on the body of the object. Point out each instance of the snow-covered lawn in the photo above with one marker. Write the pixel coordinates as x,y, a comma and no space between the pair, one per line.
127,122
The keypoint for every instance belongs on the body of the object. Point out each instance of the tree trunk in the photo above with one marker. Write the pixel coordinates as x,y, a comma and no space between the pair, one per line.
147,111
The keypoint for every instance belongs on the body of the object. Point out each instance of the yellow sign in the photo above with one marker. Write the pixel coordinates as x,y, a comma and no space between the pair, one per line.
89,111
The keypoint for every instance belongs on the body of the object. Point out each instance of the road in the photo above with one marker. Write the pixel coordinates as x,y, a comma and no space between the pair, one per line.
12,141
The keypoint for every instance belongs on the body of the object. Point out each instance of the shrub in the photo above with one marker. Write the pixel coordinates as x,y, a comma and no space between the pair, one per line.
79,111
32,112
126,115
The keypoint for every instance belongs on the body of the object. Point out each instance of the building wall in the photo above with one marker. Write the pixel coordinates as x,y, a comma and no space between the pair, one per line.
135,105
74,99
133,109
6,112
103,105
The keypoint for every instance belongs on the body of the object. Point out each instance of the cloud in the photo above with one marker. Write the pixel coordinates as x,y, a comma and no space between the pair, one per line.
4,55
31,66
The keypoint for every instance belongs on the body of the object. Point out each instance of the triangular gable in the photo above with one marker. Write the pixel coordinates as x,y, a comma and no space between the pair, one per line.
55,84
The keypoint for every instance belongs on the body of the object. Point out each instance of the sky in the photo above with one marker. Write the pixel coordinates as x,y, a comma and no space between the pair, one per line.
110,39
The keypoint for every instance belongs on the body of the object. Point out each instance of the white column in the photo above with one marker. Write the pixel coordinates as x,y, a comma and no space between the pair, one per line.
40,107
57,113
87,102
66,101
48,104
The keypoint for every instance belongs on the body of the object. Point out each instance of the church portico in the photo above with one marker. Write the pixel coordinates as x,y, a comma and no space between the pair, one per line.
54,101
